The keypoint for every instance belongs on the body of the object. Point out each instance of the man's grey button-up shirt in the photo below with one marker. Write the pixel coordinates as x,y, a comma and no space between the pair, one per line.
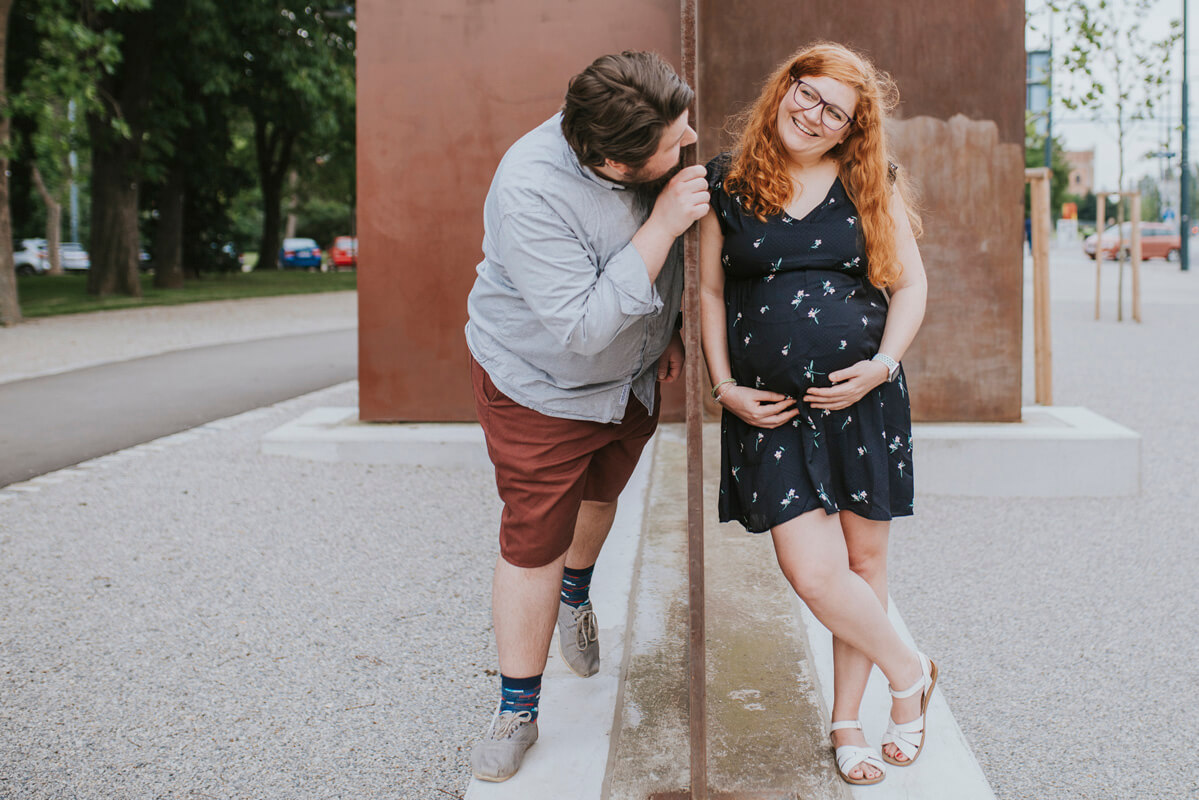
563,316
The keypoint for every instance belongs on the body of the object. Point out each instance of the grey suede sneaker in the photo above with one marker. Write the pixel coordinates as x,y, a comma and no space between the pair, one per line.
498,755
578,638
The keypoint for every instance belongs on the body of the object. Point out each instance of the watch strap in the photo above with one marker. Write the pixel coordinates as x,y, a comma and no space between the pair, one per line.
891,364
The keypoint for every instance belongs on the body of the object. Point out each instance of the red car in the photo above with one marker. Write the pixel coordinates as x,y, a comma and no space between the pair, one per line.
343,254
1158,240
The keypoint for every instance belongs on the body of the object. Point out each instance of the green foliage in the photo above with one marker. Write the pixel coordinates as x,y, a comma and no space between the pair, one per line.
323,219
1087,206
297,83
1034,156
228,78
54,57
72,48
1151,199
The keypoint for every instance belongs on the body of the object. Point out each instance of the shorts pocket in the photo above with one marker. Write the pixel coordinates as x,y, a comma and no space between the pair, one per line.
484,385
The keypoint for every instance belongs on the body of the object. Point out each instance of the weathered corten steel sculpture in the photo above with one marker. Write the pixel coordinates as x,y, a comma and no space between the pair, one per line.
445,88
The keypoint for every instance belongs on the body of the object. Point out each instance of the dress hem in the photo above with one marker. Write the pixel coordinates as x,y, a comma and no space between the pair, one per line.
893,515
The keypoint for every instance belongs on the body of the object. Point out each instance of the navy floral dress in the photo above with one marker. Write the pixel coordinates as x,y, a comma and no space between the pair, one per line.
799,306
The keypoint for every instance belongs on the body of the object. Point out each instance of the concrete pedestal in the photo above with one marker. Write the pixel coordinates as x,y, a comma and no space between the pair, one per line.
1051,452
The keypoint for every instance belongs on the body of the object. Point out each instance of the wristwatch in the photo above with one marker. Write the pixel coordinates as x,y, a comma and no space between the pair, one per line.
891,364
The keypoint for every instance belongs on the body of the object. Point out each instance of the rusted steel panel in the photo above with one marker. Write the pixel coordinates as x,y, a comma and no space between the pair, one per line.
949,57
443,89
694,380
965,364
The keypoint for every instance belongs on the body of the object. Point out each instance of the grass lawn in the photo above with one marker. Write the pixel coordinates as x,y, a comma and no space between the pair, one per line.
46,295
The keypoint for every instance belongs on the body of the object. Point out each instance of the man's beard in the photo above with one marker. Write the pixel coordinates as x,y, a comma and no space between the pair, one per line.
647,191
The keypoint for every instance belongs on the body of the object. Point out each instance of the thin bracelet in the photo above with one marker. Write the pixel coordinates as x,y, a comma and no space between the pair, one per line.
716,388
720,397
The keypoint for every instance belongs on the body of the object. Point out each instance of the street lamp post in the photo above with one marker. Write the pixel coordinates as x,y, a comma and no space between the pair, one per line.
1049,98
1184,213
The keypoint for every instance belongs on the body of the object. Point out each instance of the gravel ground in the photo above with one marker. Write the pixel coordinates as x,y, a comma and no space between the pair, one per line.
1067,629
192,619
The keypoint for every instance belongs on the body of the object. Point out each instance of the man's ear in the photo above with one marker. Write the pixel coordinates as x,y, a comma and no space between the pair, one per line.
620,169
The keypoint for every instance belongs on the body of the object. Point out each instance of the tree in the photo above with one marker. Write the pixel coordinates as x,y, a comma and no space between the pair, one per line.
40,141
10,307
187,142
1121,70
297,84
116,128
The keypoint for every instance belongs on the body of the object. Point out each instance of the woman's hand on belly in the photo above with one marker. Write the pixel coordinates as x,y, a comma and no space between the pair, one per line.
759,408
849,386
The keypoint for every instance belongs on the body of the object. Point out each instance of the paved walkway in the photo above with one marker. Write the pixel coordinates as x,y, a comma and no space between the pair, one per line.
55,421
48,345
191,618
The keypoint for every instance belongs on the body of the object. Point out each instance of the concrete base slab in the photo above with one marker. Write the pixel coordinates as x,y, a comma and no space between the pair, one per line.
686,795
336,434
1054,451
766,738
947,767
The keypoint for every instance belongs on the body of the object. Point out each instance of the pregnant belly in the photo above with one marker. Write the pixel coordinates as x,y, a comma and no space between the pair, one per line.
791,338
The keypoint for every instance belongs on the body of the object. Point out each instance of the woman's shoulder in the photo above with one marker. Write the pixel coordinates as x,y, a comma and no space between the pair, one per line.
718,169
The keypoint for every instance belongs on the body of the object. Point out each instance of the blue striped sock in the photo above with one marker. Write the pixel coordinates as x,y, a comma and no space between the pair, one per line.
520,694
576,586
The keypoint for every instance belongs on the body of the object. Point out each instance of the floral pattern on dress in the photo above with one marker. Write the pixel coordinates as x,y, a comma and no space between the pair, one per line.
799,306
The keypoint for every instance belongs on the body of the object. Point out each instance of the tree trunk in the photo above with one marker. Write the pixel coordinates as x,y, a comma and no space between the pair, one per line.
273,147
114,244
168,239
293,200
115,241
269,242
53,223
10,306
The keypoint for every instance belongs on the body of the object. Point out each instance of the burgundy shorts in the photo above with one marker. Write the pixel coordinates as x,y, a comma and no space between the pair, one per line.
546,466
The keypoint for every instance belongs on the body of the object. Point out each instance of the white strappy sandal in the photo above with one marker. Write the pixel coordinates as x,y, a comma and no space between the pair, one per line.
851,755
908,737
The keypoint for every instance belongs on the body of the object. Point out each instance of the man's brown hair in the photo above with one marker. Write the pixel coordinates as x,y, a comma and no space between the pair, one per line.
618,107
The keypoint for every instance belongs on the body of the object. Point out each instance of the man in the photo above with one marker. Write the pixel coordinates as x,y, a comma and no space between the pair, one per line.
572,323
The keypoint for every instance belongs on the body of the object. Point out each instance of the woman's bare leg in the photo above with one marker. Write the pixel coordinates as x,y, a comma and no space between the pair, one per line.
866,547
813,552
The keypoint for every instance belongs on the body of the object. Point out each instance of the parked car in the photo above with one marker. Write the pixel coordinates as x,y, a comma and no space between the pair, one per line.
74,257
343,253
299,253
1158,240
31,258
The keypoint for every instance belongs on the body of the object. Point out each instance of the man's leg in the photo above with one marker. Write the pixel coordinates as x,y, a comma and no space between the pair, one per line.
591,530
541,463
524,607
578,630
609,471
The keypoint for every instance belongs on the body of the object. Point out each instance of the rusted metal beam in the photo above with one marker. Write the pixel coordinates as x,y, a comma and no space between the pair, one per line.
1040,177
697,676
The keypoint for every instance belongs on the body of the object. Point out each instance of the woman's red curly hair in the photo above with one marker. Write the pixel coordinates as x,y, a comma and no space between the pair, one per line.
759,167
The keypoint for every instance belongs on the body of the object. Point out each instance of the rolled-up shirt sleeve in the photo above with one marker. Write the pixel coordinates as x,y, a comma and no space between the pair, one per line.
583,304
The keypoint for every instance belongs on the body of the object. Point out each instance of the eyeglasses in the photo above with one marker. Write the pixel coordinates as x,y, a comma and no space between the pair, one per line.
807,98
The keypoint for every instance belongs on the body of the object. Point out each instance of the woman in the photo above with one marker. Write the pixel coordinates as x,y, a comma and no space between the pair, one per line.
811,290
